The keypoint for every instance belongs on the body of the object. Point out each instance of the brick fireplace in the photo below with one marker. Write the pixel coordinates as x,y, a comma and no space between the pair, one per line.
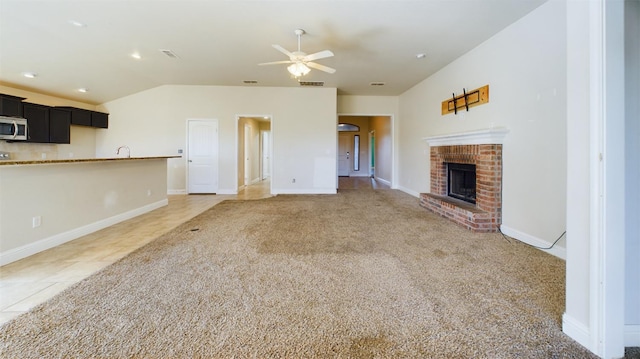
482,149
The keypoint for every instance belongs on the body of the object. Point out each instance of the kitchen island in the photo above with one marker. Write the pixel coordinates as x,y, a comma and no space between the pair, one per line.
44,203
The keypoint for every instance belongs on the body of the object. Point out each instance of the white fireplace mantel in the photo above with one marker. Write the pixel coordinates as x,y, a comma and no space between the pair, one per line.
487,136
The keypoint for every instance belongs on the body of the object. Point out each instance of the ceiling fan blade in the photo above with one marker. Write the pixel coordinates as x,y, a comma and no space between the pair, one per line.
276,62
318,55
283,50
320,67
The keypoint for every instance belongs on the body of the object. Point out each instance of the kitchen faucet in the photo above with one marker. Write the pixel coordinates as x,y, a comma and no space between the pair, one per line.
128,150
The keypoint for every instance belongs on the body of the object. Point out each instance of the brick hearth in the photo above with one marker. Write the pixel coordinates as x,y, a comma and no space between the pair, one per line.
486,214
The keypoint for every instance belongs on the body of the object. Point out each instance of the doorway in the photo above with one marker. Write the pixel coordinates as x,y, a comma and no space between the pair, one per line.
202,156
365,147
266,154
372,154
248,143
254,144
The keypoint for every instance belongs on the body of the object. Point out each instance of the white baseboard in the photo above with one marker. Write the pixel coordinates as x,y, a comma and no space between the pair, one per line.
534,241
304,191
64,237
576,331
227,191
176,191
408,191
632,335
383,181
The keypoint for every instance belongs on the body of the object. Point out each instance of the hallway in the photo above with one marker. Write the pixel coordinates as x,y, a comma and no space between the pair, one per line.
360,183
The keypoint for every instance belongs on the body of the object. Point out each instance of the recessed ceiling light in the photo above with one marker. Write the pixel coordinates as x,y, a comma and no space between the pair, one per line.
77,23
420,56
29,75
83,90
136,56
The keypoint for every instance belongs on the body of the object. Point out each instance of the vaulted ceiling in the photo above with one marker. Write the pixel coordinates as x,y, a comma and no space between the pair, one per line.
70,44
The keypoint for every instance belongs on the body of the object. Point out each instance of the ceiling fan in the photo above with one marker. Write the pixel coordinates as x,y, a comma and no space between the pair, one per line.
300,61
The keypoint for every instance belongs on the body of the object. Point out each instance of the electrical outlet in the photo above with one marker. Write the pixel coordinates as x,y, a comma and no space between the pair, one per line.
36,221
148,192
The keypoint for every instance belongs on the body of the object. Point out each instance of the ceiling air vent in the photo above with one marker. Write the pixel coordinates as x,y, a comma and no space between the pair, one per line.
250,81
312,83
169,53
377,84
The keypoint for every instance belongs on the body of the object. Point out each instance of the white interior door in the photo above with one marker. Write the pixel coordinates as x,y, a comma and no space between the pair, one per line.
247,155
202,156
266,151
344,154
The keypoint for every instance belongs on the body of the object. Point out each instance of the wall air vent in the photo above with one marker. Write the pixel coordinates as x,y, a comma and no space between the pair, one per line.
250,81
312,83
169,53
377,84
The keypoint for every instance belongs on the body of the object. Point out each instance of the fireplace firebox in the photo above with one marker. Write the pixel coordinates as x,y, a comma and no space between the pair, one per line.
477,206
461,181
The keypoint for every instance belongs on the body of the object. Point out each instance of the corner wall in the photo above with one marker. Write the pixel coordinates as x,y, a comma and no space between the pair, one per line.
632,152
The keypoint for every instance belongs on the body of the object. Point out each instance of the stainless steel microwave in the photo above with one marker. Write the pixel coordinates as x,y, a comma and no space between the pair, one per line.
13,128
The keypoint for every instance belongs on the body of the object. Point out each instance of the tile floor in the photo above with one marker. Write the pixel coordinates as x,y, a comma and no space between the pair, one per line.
31,281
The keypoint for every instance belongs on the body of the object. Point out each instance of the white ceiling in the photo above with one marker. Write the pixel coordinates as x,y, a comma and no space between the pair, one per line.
220,42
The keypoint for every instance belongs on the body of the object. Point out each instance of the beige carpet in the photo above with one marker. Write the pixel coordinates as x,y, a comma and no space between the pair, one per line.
361,274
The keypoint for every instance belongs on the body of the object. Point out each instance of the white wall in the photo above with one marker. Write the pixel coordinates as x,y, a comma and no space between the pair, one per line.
578,271
595,273
152,123
525,68
632,152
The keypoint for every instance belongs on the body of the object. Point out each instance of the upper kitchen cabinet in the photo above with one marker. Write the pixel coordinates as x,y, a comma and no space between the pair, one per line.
37,122
11,106
59,125
47,124
99,119
79,116
88,118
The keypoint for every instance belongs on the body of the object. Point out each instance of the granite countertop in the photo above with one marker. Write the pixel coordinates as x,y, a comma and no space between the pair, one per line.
78,160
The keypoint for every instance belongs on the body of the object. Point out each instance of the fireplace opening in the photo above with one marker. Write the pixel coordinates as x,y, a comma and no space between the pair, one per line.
461,181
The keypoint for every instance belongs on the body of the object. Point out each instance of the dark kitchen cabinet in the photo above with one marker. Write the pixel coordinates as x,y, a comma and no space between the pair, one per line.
37,122
59,125
80,117
47,124
11,106
84,117
99,119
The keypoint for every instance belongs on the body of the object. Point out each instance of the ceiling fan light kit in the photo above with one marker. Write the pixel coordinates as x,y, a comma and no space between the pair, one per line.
298,69
301,63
